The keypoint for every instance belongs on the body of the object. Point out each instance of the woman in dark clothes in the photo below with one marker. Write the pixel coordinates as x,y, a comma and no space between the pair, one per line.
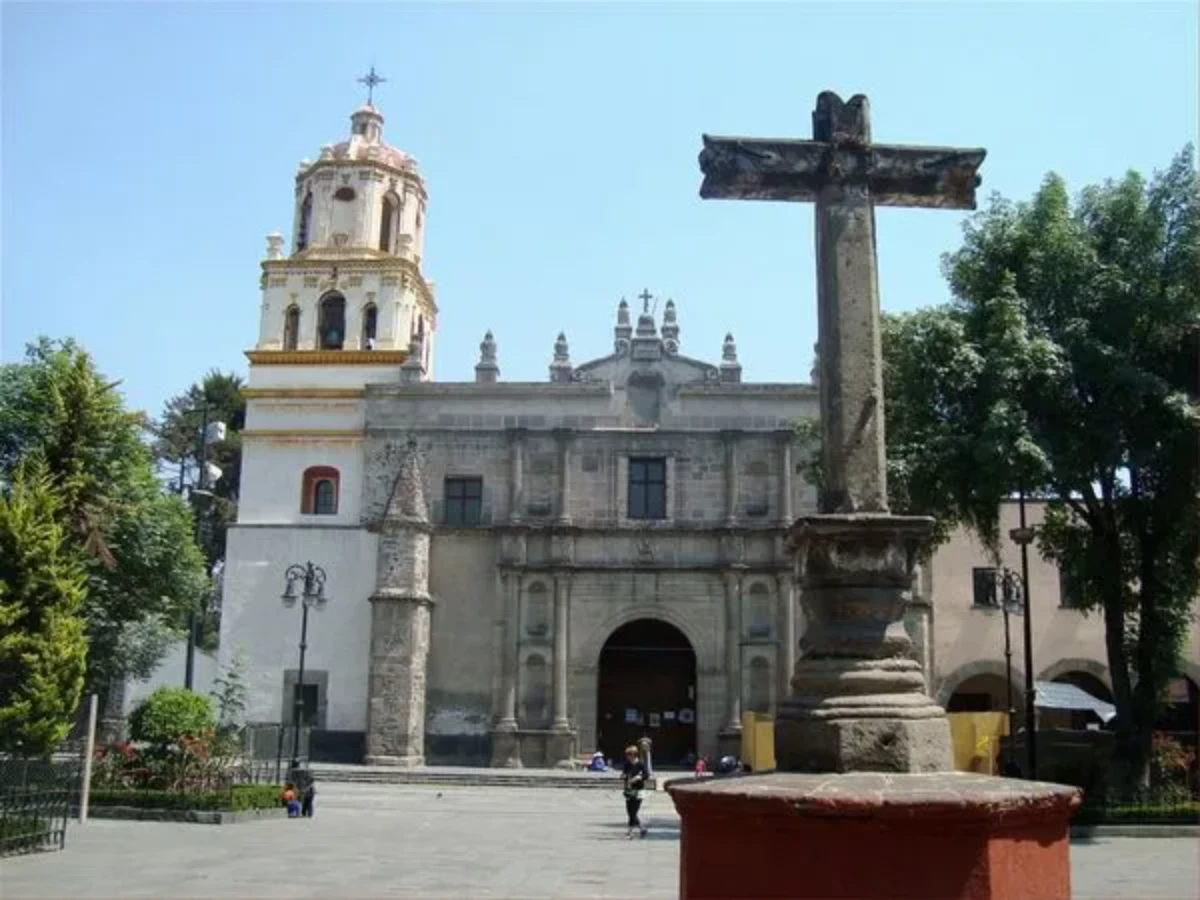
634,778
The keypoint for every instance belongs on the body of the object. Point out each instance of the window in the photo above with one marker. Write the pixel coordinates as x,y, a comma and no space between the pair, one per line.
759,625
984,586
369,318
464,502
344,194
291,328
304,223
387,222
1070,593
647,488
319,495
537,610
331,328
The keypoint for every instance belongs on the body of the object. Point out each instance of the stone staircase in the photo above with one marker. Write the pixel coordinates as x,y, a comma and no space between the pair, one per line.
471,777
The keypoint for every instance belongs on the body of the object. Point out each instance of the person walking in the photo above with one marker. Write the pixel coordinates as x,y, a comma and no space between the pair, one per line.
634,778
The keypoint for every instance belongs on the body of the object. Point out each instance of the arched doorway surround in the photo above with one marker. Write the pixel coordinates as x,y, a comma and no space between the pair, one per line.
646,686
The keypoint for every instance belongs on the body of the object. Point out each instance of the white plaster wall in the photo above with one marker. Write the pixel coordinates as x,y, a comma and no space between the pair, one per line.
325,376
170,673
272,478
305,413
255,620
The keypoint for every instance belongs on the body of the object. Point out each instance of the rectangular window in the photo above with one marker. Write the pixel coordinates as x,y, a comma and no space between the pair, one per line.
647,488
1069,594
464,502
985,593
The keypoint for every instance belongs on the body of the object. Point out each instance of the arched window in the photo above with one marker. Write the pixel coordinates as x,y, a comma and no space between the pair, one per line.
319,494
370,318
387,222
291,327
331,327
305,222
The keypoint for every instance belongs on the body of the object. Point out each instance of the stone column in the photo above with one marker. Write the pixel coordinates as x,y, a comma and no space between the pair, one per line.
733,653
516,486
786,584
561,744
400,619
561,588
506,746
564,438
731,477
785,479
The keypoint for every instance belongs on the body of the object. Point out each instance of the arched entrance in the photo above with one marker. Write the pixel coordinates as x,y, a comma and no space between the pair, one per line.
647,687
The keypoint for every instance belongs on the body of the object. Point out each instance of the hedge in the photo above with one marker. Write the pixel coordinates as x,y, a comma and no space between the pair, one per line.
239,797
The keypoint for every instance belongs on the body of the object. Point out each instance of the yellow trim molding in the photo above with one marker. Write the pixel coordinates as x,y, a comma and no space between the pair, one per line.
303,393
327,357
303,433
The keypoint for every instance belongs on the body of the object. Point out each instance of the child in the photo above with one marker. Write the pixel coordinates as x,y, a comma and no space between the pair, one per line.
308,792
288,798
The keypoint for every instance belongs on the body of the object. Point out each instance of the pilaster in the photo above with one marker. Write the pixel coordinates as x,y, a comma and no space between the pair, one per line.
565,439
730,439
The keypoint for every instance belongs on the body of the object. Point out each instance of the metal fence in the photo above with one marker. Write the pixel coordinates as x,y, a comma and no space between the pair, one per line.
267,746
37,798
1152,805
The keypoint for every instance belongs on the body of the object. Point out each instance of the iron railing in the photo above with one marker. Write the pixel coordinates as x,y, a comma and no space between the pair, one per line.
37,798
1146,806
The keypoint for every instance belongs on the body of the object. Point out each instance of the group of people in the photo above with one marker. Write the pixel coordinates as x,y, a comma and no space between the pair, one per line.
298,795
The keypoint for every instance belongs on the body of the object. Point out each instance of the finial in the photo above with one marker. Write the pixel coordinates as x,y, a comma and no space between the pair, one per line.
371,80
274,245
670,327
729,349
560,367
487,370
623,312
645,296
731,369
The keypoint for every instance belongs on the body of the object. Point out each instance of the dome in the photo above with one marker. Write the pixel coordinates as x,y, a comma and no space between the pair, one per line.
366,143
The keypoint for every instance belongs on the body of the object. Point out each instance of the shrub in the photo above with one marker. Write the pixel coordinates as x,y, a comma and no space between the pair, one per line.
171,714
238,798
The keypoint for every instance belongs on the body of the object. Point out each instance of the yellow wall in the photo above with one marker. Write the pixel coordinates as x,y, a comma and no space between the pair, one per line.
976,737
758,741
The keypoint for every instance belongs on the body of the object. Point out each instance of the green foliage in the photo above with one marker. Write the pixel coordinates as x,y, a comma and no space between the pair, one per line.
134,541
1066,366
170,714
230,693
43,651
237,798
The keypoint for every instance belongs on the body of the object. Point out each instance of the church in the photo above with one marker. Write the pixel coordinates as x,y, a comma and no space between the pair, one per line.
517,573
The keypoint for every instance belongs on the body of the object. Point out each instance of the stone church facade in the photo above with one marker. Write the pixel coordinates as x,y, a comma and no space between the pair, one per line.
517,572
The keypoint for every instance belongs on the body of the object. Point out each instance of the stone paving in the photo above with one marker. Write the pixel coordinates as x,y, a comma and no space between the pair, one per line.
407,841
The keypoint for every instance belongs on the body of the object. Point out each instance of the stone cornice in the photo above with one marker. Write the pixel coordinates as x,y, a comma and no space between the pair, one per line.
749,389
327,357
303,393
456,389
408,173
302,434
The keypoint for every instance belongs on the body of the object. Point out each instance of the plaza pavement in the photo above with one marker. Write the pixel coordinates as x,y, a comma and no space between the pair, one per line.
409,841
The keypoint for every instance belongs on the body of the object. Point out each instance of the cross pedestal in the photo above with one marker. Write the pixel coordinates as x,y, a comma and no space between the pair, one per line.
859,703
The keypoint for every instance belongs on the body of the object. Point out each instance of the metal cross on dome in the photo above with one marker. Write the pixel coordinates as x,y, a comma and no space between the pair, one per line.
371,80
645,296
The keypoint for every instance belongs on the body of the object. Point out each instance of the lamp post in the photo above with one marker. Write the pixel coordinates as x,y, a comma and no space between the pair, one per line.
1011,600
313,580
1023,536
210,433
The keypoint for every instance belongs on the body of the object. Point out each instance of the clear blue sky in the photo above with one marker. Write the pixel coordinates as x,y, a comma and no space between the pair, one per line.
148,148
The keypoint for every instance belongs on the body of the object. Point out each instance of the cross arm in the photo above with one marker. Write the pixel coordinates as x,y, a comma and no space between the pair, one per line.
778,169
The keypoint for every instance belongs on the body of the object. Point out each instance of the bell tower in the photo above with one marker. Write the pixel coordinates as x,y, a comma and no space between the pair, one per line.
350,289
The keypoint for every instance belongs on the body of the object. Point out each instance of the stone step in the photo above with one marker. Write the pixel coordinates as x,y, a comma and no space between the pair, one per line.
523,778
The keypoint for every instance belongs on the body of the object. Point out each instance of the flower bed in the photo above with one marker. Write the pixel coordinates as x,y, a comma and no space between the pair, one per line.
238,798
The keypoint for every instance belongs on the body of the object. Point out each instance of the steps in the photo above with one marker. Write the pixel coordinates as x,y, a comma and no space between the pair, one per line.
463,777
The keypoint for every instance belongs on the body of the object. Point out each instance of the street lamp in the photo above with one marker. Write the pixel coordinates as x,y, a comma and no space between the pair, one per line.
312,579
1010,600
1023,536
207,474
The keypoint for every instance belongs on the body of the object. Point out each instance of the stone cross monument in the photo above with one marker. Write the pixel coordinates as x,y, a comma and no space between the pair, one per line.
858,702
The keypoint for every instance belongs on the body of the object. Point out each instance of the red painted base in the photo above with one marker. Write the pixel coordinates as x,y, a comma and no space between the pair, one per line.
860,835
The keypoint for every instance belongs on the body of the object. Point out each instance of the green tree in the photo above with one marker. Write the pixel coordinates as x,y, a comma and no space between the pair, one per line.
134,541
43,650
177,449
1067,366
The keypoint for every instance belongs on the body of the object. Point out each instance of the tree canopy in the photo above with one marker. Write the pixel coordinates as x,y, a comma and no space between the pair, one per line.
133,541
1067,366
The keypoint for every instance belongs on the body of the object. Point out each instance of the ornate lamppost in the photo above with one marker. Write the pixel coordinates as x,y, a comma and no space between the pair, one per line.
1023,536
312,581
1009,595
